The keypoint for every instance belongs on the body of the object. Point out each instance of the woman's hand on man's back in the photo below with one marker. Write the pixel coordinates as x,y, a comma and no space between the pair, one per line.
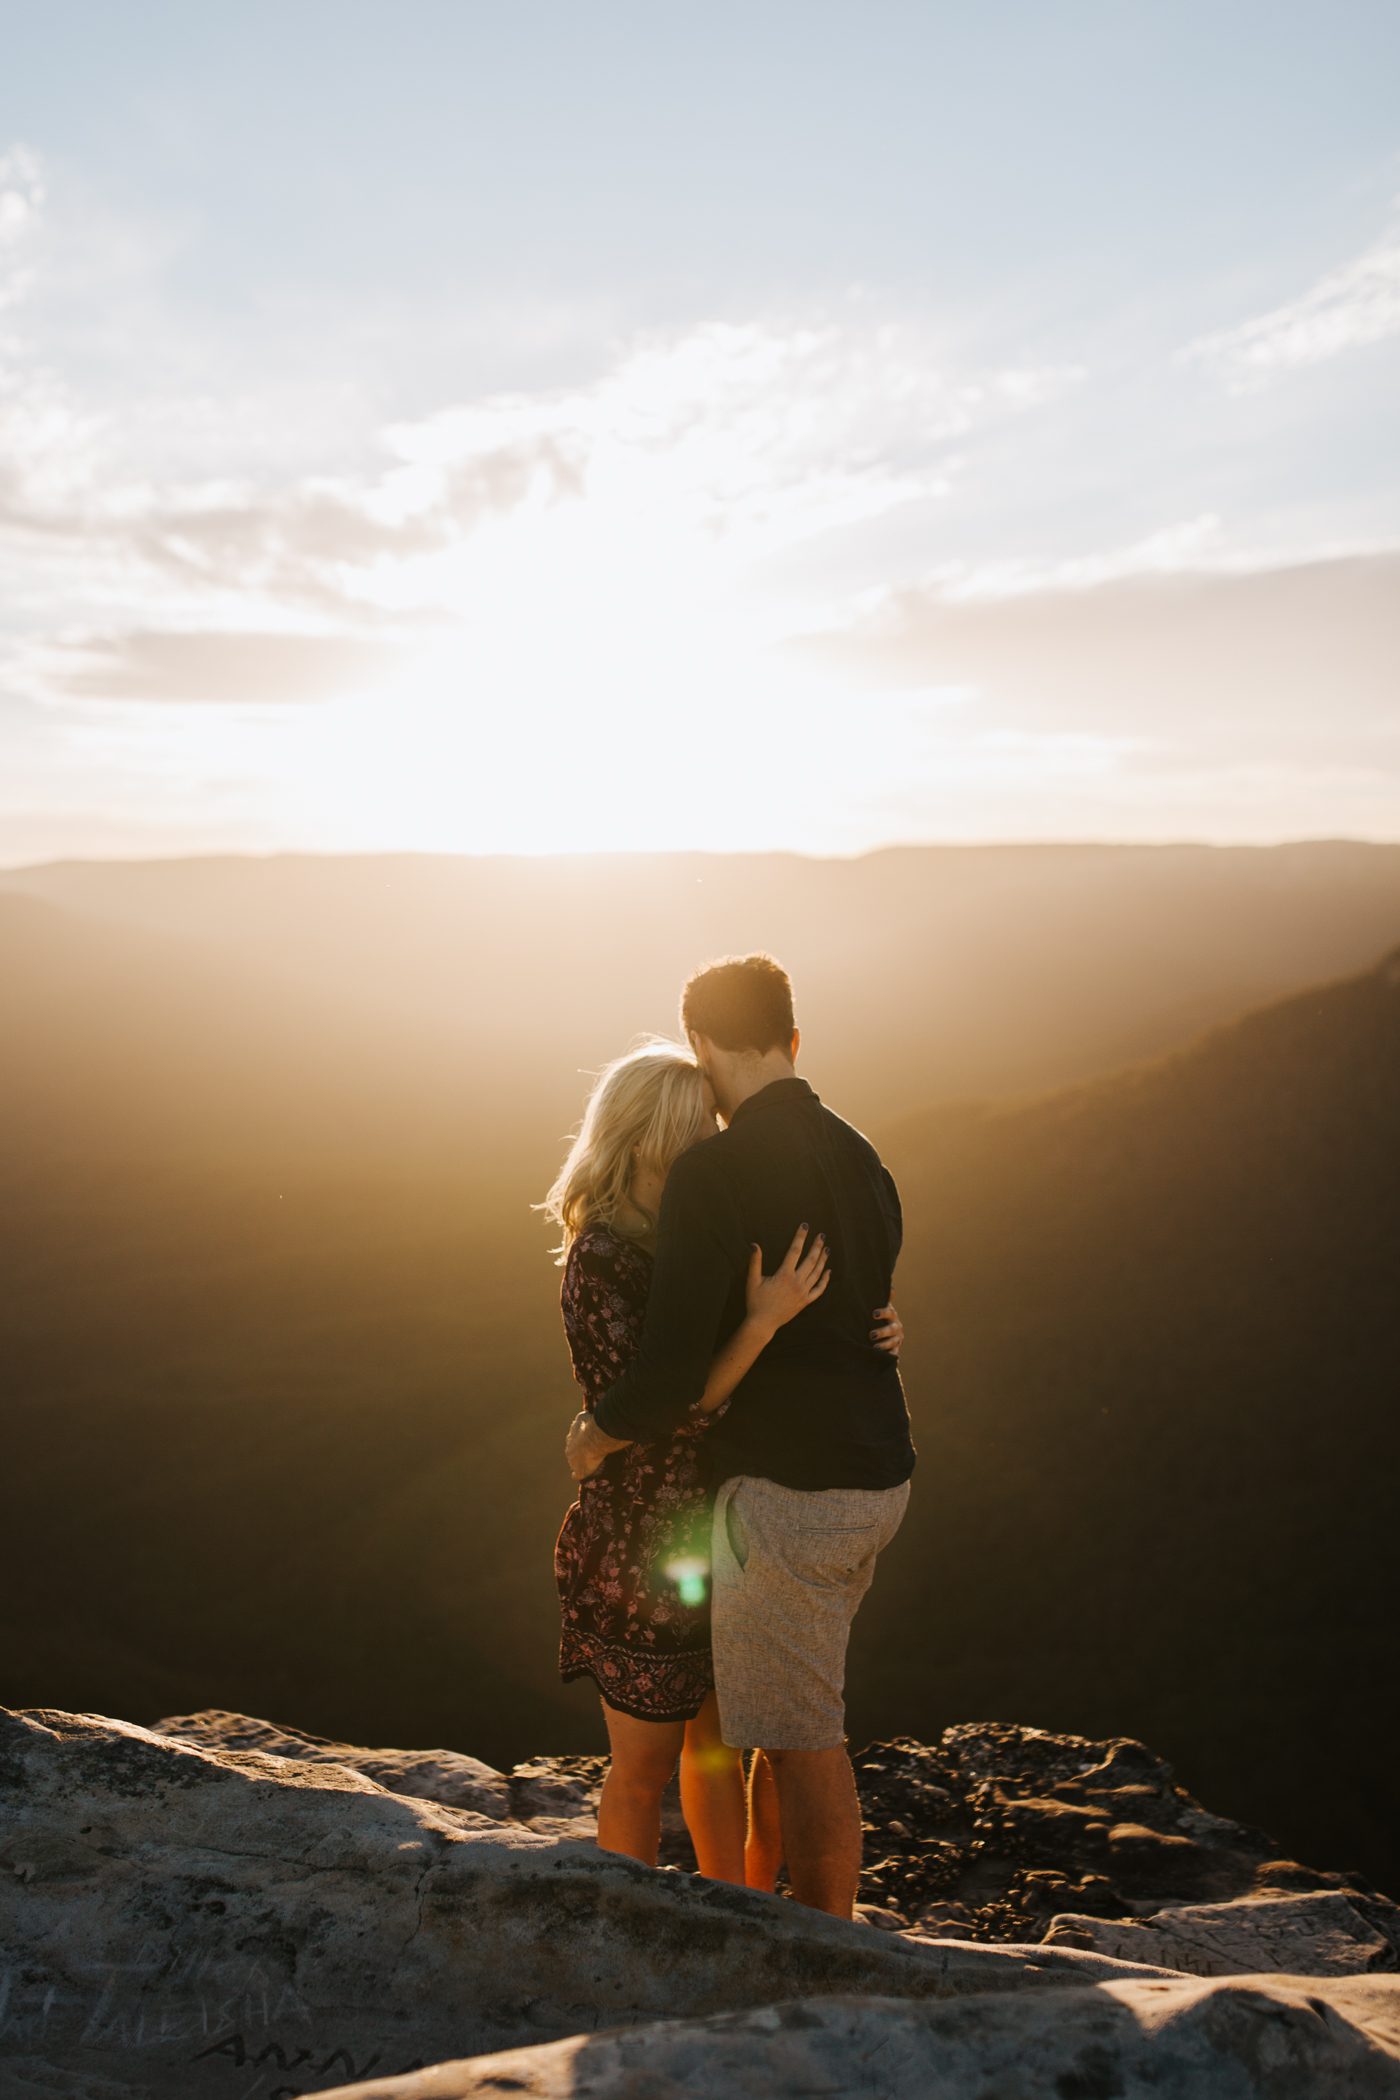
888,1331
796,1283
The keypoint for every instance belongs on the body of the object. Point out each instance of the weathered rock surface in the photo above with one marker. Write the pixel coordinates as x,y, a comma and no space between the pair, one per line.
995,1830
999,1826
1322,1935
556,1795
187,1923
1277,2039
995,1833
426,1775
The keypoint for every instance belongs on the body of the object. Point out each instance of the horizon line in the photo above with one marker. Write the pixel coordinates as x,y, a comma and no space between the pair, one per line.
254,854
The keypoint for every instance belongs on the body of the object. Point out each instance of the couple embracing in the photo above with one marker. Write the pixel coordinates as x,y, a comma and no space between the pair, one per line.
726,1299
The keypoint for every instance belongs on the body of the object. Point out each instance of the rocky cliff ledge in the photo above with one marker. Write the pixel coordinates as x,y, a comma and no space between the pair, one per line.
219,1907
996,1833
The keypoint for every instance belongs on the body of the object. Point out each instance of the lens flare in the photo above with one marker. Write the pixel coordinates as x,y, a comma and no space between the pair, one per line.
690,1578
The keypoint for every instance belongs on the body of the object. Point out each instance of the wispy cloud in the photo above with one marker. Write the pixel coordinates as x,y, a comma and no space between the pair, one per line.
232,669
21,202
1307,651
695,455
1347,309
1195,545
483,623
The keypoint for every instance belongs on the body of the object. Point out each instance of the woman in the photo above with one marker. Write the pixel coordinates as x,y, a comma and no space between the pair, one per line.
633,1555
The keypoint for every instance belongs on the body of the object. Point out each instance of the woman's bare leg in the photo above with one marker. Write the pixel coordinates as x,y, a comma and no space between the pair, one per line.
644,1756
763,1852
712,1796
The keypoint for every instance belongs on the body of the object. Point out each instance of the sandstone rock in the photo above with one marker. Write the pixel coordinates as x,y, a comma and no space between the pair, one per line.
971,1815
556,1786
174,1914
987,1835
1314,1935
426,1775
950,1921
556,1795
1016,1825
30,2078
1183,2040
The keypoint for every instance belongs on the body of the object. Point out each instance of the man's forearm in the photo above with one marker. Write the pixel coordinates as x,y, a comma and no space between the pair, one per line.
650,1402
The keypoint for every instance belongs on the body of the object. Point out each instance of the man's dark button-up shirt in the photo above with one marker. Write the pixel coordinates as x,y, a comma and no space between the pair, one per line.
822,1407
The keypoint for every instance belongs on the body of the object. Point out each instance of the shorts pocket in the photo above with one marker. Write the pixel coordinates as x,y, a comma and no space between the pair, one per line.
835,1549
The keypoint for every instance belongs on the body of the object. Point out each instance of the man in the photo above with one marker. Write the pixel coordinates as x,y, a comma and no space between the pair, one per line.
813,1457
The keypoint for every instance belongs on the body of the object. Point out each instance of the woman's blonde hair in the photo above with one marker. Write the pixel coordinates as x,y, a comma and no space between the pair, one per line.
653,1100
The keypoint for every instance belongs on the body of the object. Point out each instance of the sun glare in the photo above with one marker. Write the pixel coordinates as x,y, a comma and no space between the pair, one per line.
586,600
651,611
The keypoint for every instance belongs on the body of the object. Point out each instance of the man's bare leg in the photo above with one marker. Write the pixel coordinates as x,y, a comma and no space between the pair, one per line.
763,1848
820,1816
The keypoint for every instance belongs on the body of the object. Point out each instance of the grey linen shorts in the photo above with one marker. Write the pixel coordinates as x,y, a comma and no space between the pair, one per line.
789,1570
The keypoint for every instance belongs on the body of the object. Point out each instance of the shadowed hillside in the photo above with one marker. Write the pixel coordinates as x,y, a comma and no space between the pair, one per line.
1154,1361
285,1382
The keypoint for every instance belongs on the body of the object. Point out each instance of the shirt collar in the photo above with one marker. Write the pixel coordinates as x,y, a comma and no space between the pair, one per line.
777,1093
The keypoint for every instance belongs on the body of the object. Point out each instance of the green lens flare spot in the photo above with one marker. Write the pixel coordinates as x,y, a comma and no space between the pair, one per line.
690,1578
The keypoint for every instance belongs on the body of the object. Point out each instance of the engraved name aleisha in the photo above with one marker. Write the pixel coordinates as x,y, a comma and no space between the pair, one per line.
237,2054
136,2008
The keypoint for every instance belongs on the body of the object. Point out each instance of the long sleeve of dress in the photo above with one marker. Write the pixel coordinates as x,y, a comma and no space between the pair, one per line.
604,1290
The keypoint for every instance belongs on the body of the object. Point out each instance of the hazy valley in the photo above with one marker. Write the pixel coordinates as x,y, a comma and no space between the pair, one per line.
284,1370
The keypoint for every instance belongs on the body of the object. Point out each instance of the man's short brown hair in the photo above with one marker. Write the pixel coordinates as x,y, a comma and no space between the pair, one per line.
741,1002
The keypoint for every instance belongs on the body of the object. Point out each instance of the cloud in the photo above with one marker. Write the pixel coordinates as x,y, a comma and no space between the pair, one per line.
1182,660
228,668
335,543
1189,548
1351,307
525,606
756,433
692,457
320,542
746,438
706,448
21,202
78,496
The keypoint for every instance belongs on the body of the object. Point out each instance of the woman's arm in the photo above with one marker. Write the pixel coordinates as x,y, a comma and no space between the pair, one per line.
772,1301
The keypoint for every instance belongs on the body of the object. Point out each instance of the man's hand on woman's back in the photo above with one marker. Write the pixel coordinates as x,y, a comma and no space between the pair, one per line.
586,1446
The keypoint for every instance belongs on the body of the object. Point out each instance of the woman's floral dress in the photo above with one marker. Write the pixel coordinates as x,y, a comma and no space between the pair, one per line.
636,1544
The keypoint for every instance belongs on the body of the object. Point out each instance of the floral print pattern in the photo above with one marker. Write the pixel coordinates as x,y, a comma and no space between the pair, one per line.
626,1623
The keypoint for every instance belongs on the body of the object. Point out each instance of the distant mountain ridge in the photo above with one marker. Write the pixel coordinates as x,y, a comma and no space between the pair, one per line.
397,1007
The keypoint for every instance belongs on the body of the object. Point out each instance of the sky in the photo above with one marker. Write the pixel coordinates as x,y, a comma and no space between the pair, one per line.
813,426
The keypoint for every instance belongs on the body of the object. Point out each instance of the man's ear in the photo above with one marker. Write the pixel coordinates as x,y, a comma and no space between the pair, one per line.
796,1043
